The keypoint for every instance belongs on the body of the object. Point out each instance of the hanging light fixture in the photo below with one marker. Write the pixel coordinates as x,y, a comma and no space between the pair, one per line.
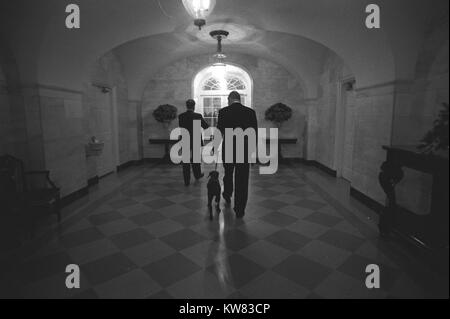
199,10
220,67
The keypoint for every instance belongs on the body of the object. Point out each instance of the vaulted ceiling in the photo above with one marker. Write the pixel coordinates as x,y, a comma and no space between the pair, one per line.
147,35
147,55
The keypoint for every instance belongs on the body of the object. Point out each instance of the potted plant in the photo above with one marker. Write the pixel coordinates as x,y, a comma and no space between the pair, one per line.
165,114
278,114
436,140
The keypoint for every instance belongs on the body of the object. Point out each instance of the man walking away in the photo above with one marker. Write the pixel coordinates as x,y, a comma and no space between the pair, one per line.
186,121
236,176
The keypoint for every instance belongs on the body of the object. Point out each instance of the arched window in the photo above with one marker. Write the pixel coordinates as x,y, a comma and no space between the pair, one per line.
212,86
235,84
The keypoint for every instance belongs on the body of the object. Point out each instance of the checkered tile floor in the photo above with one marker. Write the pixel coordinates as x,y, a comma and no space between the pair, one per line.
152,237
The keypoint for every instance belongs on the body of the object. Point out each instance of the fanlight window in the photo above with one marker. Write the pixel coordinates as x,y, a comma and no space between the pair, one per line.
211,85
235,84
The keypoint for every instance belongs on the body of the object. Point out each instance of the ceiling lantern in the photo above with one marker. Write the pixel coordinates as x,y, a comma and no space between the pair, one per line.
219,35
220,67
199,10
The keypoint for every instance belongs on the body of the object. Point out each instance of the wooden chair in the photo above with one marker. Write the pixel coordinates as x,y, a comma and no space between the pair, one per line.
12,183
12,204
42,193
20,190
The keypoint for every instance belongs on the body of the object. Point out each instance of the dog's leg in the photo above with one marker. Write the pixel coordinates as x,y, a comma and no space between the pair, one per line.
218,202
210,199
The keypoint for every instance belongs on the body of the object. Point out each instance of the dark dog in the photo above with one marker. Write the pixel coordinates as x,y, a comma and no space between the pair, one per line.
214,189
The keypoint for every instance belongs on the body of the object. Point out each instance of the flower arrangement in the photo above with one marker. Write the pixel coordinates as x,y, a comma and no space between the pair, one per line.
165,113
278,114
437,138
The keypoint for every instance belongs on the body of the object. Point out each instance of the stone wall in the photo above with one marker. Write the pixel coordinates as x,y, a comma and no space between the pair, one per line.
323,116
61,115
417,106
134,130
57,123
373,128
349,134
366,127
272,84
331,117
13,131
397,113
109,116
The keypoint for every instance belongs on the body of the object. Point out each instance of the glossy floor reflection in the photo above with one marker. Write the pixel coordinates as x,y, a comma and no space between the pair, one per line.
143,234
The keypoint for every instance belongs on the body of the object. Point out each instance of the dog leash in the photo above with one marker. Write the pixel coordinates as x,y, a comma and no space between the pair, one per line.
217,162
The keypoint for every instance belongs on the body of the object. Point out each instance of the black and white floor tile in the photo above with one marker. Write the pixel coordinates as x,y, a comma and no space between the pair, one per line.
149,236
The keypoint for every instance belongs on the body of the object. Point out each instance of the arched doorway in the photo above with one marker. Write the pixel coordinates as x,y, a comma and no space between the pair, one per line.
213,84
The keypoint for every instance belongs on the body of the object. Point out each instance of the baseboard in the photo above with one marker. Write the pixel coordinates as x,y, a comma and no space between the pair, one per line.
305,161
126,165
366,200
291,160
151,160
69,199
93,181
318,165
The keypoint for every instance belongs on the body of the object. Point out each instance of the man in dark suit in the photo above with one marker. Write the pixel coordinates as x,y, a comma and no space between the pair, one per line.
235,116
186,121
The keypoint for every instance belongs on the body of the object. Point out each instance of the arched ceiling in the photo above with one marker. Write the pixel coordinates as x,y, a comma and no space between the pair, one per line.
48,53
143,57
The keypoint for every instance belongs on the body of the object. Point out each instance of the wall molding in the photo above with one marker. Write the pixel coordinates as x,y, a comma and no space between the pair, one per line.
93,181
129,164
356,194
318,165
152,160
39,87
69,199
366,200
395,83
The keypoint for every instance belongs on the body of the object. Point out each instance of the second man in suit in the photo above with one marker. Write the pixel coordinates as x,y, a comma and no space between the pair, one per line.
186,121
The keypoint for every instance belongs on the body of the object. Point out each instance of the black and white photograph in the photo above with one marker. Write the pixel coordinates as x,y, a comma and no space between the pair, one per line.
226,156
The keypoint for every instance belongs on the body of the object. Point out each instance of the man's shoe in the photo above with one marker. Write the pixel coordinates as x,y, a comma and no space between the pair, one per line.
226,198
200,177
240,213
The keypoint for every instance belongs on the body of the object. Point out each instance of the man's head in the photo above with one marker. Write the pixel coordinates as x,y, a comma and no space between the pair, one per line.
234,97
190,105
